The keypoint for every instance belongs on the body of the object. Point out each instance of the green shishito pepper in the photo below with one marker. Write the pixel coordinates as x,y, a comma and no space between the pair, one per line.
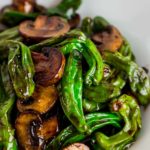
96,97
90,53
127,107
21,69
7,100
71,135
90,26
138,78
71,91
126,50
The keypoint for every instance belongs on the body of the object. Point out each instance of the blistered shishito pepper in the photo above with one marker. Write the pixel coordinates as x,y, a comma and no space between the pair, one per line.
21,69
71,92
101,93
127,107
105,90
95,121
7,100
89,50
138,78
126,50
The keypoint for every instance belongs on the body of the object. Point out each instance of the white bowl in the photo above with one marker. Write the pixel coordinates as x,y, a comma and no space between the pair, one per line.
132,19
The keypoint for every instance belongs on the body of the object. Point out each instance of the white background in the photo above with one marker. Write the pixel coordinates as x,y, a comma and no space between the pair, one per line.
132,17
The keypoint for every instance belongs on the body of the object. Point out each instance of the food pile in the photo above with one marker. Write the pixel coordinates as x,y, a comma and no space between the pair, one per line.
67,83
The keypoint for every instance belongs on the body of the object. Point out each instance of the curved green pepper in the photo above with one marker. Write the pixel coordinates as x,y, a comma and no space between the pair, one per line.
127,107
138,78
89,50
21,69
7,100
70,94
95,121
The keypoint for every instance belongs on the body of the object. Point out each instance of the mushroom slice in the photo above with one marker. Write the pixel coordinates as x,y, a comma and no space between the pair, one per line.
42,100
48,129
109,39
24,127
77,146
25,6
49,70
44,27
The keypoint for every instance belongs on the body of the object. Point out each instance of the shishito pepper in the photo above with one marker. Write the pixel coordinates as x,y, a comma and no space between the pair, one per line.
71,135
90,53
138,78
7,100
96,97
71,92
21,69
127,107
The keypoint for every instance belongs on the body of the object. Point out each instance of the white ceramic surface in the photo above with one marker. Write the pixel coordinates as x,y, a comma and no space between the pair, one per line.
132,18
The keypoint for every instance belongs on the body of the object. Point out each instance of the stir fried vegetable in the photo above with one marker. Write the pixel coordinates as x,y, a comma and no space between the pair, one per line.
67,83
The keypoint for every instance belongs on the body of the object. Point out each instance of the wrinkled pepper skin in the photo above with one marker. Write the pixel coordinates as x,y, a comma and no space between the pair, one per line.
7,100
101,93
106,90
127,107
138,78
95,121
95,73
91,106
126,50
21,69
71,92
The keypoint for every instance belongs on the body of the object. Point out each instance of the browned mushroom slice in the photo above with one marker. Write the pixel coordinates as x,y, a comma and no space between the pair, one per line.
42,100
44,27
23,126
77,146
48,129
25,6
49,69
74,21
109,39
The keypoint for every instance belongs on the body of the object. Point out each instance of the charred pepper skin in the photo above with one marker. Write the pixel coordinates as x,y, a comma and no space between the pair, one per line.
138,79
71,135
70,94
21,69
127,107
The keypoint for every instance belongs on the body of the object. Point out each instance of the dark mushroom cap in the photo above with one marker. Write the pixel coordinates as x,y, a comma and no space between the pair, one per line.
42,100
44,27
48,129
109,39
49,69
23,126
